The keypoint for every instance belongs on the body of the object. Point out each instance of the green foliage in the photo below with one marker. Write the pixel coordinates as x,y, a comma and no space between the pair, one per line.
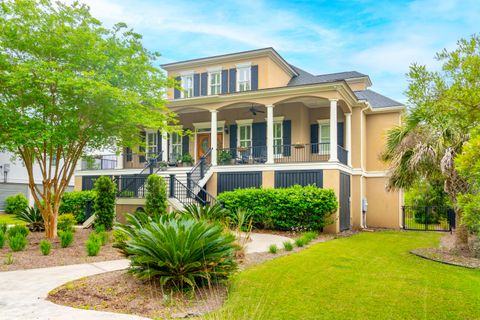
309,236
105,201
206,212
427,193
8,259
187,158
300,242
178,252
33,218
17,242
66,238
75,202
288,246
126,194
285,209
45,247
16,204
3,227
93,245
17,229
273,248
224,157
99,228
3,236
66,222
156,197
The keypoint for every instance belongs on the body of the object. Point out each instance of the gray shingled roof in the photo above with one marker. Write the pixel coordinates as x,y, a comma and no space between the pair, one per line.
376,100
307,78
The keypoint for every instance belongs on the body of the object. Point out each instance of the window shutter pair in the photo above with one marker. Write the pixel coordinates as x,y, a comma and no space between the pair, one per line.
233,79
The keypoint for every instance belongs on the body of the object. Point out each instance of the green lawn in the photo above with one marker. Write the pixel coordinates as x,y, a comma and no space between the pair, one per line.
9,219
366,276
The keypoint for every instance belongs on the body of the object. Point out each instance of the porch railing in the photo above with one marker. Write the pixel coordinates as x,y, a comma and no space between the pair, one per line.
242,155
200,169
342,155
99,162
187,196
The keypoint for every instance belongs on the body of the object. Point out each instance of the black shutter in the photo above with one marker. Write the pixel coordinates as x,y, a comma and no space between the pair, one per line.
176,91
128,154
185,140
340,135
224,81
314,138
254,74
233,140
287,137
259,141
159,143
204,86
196,84
233,80
141,149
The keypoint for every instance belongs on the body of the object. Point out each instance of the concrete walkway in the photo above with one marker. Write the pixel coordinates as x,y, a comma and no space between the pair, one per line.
23,293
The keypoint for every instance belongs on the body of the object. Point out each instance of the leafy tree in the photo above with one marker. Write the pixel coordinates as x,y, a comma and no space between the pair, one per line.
67,85
444,107
156,197
104,202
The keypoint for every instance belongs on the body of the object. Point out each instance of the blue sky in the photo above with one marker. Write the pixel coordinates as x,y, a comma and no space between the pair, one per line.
379,38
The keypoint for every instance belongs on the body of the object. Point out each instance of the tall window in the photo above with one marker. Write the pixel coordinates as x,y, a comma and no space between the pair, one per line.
245,136
244,78
176,144
277,137
187,85
152,144
215,82
323,137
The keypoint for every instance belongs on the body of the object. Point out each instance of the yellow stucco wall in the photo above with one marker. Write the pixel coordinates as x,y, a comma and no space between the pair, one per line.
77,183
212,185
377,126
331,180
268,179
383,206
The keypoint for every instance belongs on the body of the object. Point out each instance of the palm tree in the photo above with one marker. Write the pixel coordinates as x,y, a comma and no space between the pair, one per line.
425,147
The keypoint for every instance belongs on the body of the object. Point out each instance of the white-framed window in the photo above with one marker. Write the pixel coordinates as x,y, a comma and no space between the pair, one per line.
187,86
152,144
323,135
278,137
244,78
245,135
176,144
214,82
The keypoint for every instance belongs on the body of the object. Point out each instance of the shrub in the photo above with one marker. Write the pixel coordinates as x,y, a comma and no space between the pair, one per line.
156,197
105,201
2,239
17,229
76,203
206,212
3,227
32,217
273,248
99,228
45,247
93,245
8,259
16,204
288,246
66,238
17,242
285,209
178,251
66,222
300,242
309,236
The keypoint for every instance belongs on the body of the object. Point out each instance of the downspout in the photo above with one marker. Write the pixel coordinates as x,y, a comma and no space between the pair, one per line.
363,218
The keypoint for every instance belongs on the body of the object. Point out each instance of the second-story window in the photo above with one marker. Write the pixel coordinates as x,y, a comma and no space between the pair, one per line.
187,86
214,82
244,78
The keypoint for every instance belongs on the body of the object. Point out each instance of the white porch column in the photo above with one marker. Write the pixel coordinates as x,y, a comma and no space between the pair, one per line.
333,131
270,159
213,136
119,160
164,147
348,138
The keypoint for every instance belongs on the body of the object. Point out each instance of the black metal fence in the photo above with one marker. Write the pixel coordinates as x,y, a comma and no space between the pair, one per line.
428,218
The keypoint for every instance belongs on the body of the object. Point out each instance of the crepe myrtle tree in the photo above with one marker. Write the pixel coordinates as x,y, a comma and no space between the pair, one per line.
67,85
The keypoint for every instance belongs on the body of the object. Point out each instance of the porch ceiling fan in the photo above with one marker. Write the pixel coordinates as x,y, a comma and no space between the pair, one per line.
254,110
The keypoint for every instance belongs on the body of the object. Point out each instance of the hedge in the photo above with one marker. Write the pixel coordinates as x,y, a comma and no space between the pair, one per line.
75,202
16,204
294,208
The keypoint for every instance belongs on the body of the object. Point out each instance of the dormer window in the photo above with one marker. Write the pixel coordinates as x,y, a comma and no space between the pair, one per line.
214,82
187,86
244,78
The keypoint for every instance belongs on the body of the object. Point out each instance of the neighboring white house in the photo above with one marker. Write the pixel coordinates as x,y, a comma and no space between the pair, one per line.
14,178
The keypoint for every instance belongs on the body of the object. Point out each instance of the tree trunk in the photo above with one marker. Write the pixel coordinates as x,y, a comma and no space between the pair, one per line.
461,231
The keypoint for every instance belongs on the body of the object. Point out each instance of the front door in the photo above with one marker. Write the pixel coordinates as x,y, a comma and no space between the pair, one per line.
203,143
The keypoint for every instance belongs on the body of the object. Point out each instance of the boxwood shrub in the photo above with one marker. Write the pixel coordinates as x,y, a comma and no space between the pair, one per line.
297,207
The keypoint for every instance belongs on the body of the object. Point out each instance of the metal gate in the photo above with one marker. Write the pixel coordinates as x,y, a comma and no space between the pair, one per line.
344,201
428,218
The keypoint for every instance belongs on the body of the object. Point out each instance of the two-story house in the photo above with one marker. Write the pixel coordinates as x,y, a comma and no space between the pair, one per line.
258,121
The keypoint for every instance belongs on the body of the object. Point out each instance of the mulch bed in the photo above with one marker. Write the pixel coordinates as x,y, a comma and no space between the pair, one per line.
121,292
32,258
447,254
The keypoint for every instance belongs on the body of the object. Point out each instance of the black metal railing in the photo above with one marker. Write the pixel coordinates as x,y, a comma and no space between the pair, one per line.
131,186
202,195
99,162
342,155
242,155
185,195
201,168
295,153
428,218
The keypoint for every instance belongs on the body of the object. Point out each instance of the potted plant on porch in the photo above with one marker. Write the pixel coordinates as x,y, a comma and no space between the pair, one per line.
187,160
224,157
